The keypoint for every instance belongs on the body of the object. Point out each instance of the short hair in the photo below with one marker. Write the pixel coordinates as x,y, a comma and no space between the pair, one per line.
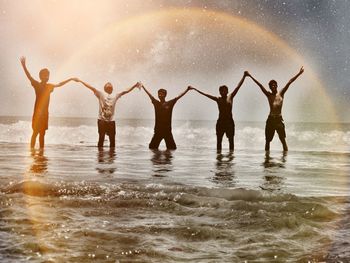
108,85
223,87
43,72
163,91
272,82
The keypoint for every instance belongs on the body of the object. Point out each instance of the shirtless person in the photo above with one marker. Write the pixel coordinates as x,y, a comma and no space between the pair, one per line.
225,123
163,111
107,101
275,121
43,89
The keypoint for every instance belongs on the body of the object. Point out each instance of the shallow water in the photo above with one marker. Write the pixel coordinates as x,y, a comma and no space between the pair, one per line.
75,203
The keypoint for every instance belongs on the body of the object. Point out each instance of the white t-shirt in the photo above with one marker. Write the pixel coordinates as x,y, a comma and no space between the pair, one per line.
106,105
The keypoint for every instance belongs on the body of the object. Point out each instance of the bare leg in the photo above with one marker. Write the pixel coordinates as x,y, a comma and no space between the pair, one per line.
42,139
231,143
267,146
284,143
33,139
219,141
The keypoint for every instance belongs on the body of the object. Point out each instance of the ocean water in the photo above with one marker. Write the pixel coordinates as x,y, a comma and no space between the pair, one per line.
75,203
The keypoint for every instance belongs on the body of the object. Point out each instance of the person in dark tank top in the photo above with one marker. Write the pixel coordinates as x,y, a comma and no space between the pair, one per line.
225,123
163,112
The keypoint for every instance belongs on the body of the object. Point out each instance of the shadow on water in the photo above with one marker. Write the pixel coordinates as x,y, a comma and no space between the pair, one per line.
224,172
272,178
105,160
39,162
162,162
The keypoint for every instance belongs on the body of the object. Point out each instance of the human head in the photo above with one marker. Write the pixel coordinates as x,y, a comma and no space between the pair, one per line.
108,88
44,75
273,86
223,90
162,94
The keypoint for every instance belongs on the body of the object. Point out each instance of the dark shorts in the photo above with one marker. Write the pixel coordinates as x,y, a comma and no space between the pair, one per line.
40,122
158,136
225,127
106,127
274,124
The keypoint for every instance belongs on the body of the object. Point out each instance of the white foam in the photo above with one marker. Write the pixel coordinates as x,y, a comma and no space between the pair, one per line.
186,135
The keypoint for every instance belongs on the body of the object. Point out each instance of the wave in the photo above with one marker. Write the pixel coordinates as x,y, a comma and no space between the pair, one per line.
187,134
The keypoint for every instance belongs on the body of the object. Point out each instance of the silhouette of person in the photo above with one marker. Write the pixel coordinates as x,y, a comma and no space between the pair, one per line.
274,121
163,111
107,101
43,89
225,123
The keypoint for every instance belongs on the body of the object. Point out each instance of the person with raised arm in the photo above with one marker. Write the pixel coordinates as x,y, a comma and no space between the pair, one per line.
43,89
163,111
107,101
275,121
225,123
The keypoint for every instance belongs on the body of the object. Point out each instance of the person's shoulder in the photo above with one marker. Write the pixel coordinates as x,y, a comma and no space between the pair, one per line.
50,86
34,83
155,101
98,93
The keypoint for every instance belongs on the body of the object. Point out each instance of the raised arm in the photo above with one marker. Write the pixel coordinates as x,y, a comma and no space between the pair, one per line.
291,81
86,85
137,85
205,94
183,93
23,62
259,84
234,92
148,93
63,82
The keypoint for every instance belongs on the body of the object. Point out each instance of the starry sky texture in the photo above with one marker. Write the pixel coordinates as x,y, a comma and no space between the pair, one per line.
318,30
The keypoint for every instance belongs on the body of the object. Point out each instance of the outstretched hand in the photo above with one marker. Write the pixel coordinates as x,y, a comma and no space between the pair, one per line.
301,70
139,85
23,60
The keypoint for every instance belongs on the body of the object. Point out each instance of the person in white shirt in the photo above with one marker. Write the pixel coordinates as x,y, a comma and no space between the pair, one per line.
107,101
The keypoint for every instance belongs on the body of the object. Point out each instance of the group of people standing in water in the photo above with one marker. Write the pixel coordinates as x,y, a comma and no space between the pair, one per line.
163,110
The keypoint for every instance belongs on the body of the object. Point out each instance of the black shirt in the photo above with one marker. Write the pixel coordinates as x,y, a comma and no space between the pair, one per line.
163,112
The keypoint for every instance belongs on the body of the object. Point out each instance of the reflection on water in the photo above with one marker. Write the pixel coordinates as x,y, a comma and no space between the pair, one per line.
224,172
105,159
162,162
272,178
39,162
271,162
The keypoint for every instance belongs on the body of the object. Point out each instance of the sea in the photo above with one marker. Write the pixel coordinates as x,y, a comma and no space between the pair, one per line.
74,202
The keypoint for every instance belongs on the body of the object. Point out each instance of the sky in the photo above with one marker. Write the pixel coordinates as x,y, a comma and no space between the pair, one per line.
204,43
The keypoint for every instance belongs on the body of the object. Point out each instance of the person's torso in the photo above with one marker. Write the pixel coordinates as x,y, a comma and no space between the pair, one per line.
163,114
42,100
276,103
107,106
225,109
